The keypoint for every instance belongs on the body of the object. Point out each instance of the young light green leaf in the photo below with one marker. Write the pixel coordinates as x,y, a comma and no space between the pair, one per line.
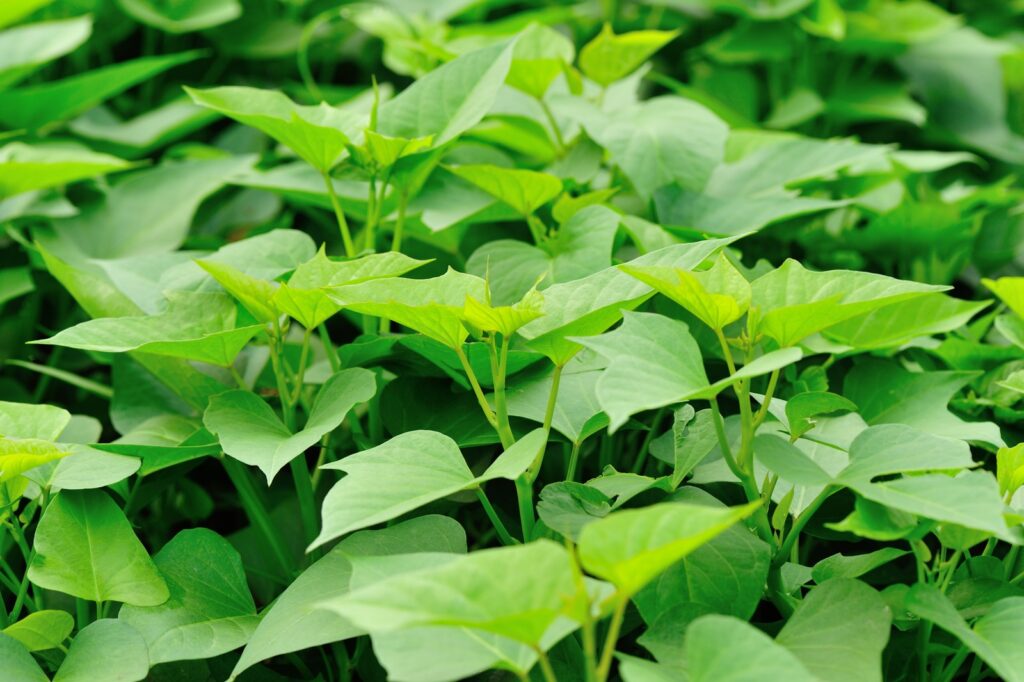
407,472
523,190
632,547
902,322
85,547
250,431
505,319
23,420
540,55
1010,291
493,590
841,566
304,296
609,57
257,295
449,100
18,455
717,297
318,134
846,649
432,307
42,630
106,649
30,167
210,610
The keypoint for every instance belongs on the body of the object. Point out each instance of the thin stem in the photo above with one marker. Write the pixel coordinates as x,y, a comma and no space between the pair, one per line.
329,349
549,412
954,665
257,513
479,392
645,446
301,373
549,115
537,230
798,525
604,667
396,236
369,230
499,368
306,496
545,666
346,236
503,534
574,458
19,601
524,497
762,413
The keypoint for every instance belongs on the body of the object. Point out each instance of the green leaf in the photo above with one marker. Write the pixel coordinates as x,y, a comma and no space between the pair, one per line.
609,57
567,507
1010,291
841,566
432,306
106,649
516,592
147,131
541,54
581,247
18,664
795,302
505,319
896,448
18,455
886,393
591,305
250,431
85,547
257,295
408,472
902,322
318,134
26,48
995,636
802,408
631,548
295,622
709,661
22,420
662,141
195,327
37,106
16,9
846,649
523,190
182,17
577,413
210,610
149,212
42,630
449,100
717,297
29,167
14,283
304,296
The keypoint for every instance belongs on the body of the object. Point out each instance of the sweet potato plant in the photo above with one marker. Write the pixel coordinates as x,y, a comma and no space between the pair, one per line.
434,340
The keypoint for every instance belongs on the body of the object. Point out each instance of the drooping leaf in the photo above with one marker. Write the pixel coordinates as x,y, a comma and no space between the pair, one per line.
85,547
182,17
709,661
407,472
854,566
802,409
18,663
250,431
523,190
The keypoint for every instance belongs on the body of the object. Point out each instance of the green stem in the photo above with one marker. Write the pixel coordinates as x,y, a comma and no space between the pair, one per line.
346,235
301,374
549,115
954,665
574,458
537,230
306,496
549,411
503,534
19,601
479,392
798,525
604,667
499,368
396,236
329,349
524,496
645,446
369,231
257,512
545,666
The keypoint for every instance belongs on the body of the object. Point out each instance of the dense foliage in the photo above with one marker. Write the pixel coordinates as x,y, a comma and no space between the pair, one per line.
427,340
